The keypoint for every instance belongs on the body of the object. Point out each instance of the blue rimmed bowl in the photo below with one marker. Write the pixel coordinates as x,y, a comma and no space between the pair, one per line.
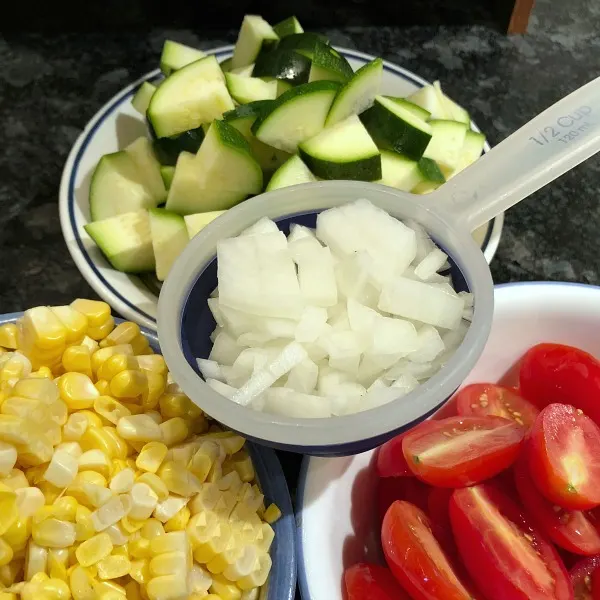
114,126
281,584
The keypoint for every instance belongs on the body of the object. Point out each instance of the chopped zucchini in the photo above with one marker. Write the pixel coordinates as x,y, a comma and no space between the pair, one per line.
302,43
329,65
415,109
471,150
118,187
399,172
395,128
169,238
176,56
243,71
125,240
358,94
167,173
198,221
455,111
168,148
141,99
429,99
291,172
287,27
250,89
148,166
285,65
226,65
296,116
255,34
431,177
191,96
446,143
343,151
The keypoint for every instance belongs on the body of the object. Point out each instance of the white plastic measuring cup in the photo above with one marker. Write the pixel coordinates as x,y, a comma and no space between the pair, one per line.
546,147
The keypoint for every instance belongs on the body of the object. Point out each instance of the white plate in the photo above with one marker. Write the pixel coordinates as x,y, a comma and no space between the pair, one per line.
336,504
115,125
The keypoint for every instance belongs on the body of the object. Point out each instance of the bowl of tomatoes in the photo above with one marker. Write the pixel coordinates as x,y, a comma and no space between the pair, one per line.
497,496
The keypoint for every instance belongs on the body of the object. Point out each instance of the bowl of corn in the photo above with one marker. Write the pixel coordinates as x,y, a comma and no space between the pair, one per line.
114,485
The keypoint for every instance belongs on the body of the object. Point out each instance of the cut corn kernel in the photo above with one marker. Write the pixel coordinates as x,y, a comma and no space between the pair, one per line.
139,571
84,526
96,311
119,446
174,431
75,427
98,333
77,390
141,346
154,363
151,456
81,584
57,563
122,482
116,364
110,409
129,384
103,387
6,553
174,405
140,548
179,480
113,567
53,533
77,359
8,336
179,521
202,462
111,512
92,418
124,333
102,354
109,590
74,322
18,534
8,458
225,589
168,508
143,501
272,514
95,460
156,484
152,528
167,587
139,428
93,550
41,329
118,537
62,469
131,525
156,387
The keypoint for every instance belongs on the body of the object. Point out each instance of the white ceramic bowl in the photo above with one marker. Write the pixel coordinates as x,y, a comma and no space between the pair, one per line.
117,124
335,507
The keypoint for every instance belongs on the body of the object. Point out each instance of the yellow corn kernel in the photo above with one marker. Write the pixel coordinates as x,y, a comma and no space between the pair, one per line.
57,563
272,514
151,456
18,534
8,336
198,424
116,364
93,550
242,463
179,480
99,333
95,460
168,562
124,333
77,359
77,390
92,418
75,427
51,492
139,571
14,365
139,428
16,479
155,416
103,387
37,389
174,405
225,589
74,322
95,438
132,591
81,584
152,528
129,384
131,525
174,431
113,567
8,508
110,409
65,508
122,482
96,311
202,529
92,477
43,372
179,521
141,346
111,512
202,461
41,329
167,587
11,572
155,388
109,590
8,596
90,344
53,533
6,552
258,577
84,526
169,507
100,356
140,548
133,407
154,363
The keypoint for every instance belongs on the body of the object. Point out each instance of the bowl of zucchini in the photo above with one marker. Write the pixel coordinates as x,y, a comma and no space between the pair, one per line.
208,129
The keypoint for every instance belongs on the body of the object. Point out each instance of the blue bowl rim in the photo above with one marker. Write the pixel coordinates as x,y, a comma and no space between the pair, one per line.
273,484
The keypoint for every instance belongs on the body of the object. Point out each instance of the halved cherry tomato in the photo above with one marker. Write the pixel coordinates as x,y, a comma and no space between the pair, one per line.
564,457
573,530
391,461
416,558
461,451
409,489
554,373
505,555
488,399
585,579
365,580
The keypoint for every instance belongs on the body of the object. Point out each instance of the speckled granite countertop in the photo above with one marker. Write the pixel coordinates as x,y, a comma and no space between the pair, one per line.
50,87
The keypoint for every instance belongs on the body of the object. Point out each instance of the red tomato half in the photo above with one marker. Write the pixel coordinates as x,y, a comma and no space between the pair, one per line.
555,373
488,399
416,558
504,554
461,451
573,530
391,461
365,580
584,579
564,457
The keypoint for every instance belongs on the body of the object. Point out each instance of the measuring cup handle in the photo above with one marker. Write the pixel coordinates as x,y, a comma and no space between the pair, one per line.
555,141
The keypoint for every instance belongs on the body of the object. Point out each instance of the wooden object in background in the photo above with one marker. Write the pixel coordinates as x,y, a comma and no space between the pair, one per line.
519,18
